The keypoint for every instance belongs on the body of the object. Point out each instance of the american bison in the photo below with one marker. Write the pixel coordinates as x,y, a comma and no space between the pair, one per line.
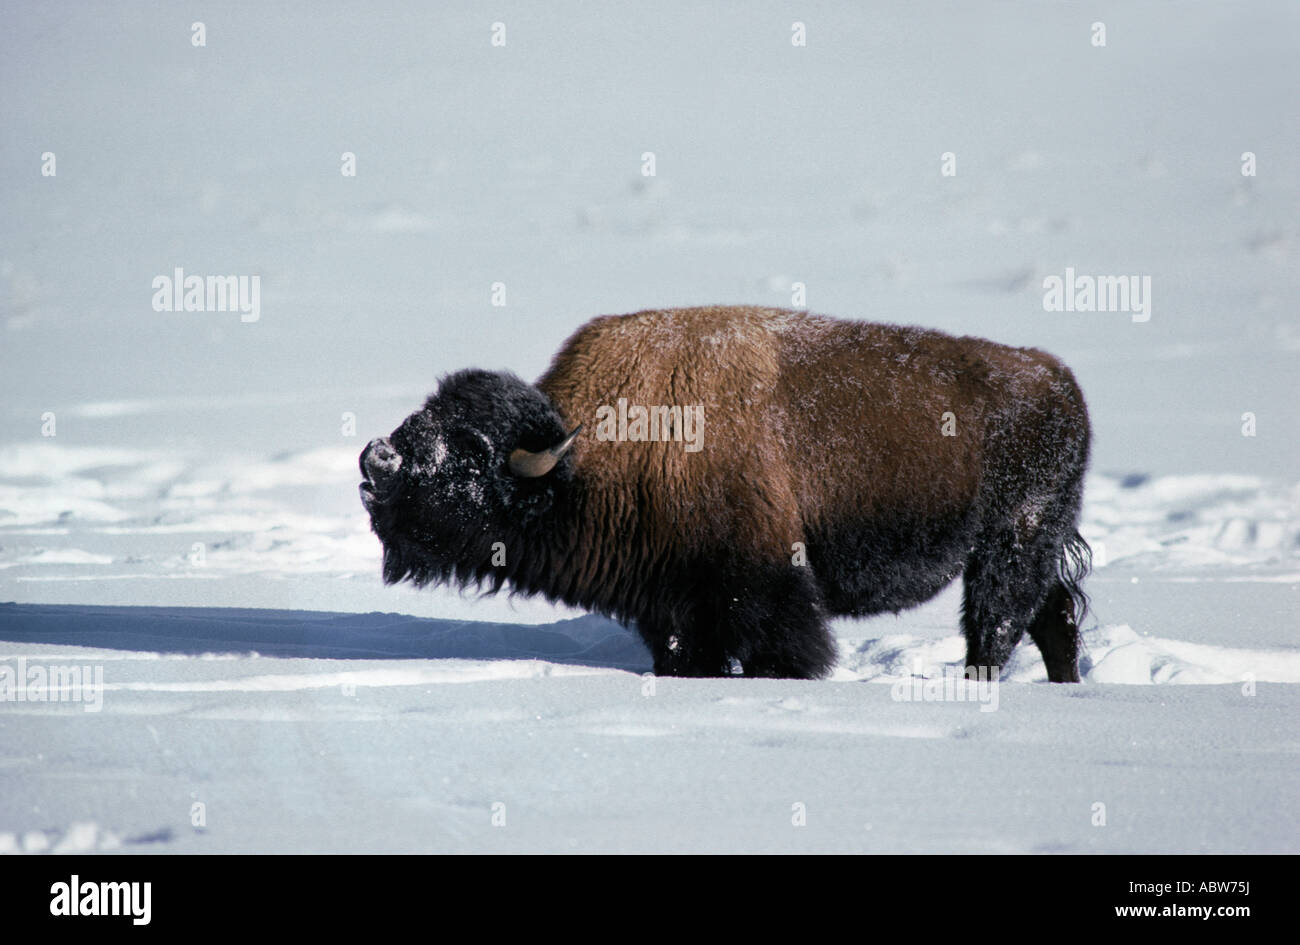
838,467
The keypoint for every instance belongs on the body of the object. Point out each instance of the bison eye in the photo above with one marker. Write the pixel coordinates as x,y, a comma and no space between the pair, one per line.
472,445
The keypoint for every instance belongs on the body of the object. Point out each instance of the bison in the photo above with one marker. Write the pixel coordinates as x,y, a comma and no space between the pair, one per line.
839,468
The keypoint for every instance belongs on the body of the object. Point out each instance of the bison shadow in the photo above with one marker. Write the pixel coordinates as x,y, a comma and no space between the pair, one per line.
301,634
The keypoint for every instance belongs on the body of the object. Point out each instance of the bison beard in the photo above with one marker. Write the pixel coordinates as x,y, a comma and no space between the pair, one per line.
848,468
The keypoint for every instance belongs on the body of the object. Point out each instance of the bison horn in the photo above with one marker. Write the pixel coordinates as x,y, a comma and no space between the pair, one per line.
531,465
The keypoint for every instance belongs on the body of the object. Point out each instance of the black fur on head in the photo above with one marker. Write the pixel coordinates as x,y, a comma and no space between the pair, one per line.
440,492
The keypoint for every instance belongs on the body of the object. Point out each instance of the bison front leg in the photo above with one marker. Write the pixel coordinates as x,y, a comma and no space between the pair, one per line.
679,649
768,618
671,629
775,620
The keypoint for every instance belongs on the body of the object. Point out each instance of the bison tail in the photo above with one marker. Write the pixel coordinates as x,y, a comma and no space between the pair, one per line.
1076,563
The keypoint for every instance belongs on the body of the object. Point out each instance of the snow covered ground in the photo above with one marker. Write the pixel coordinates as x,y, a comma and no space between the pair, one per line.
305,729
378,732
192,532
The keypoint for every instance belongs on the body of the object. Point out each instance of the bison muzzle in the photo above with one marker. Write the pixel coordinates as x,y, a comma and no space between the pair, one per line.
843,468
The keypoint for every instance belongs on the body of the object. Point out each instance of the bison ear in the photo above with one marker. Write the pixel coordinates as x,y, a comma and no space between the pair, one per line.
528,465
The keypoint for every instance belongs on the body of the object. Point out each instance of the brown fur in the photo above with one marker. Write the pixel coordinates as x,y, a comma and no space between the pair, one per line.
809,421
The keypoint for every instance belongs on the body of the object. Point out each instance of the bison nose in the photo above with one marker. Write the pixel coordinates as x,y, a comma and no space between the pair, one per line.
379,461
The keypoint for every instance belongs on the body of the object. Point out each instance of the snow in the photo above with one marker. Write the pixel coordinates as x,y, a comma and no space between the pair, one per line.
192,527
320,754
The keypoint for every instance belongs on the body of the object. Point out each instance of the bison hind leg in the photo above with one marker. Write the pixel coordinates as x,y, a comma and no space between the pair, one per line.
1004,586
1011,589
1055,630
1056,634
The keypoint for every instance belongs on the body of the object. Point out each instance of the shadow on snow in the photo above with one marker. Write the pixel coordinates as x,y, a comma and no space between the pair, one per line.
305,634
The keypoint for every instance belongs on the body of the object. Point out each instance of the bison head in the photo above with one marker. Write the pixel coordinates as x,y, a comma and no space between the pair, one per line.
482,462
